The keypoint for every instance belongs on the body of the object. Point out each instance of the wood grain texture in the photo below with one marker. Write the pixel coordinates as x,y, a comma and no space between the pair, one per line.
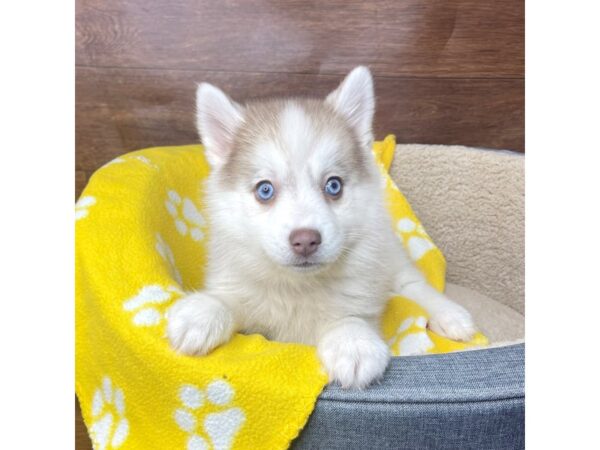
125,109
80,182
82,439
441,38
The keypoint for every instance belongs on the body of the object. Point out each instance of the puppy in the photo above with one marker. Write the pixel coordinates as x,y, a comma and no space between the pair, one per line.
301,245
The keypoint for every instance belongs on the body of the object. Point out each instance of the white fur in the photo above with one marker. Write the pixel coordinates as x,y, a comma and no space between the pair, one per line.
217,120
355,100
198,323
252,285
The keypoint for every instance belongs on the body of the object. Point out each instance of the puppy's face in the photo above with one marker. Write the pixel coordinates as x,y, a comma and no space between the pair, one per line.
299,172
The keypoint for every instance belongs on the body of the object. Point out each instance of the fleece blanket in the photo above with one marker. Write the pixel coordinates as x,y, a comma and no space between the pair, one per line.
140,243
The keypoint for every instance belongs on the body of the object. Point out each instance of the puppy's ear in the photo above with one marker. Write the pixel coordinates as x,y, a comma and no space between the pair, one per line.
217,119
355,100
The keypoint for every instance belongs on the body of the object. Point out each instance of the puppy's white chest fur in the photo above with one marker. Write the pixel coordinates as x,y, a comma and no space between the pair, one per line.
300,309
287,313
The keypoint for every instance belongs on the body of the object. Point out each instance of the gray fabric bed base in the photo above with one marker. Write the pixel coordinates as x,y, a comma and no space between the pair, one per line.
465,400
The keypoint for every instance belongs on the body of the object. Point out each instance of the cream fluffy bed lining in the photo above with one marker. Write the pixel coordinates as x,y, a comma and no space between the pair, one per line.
472,204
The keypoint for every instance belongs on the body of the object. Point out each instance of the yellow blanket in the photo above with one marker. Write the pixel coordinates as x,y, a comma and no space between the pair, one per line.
140,235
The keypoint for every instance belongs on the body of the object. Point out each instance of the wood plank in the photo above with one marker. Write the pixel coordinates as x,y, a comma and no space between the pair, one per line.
80,182
124,109
82,439
450,38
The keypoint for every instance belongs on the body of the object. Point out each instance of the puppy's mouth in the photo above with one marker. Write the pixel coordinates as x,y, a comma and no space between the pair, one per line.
307,266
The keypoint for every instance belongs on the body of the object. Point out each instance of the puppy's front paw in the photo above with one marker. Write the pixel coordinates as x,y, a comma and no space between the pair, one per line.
353,357
453,322
198,323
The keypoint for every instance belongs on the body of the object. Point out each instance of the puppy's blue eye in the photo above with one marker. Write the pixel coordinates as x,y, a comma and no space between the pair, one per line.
265,191
333,187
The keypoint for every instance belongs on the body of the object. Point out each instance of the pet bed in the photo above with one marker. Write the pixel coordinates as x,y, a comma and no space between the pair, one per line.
127,405
472,201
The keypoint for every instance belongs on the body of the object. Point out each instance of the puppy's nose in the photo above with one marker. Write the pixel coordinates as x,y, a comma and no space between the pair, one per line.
305,241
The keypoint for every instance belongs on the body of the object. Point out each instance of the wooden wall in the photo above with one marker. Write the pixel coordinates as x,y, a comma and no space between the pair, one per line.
446,71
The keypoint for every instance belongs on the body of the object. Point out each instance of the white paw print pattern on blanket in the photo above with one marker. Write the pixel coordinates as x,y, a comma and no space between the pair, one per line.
418,244
146,160
147,315
83,205
407,342
166,253
218,428
109,428
187,217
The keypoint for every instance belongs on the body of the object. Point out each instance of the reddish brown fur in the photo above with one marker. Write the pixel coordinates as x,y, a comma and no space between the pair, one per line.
261,122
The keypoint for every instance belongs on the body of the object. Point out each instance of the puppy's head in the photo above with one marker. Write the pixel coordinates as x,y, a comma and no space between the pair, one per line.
294,178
